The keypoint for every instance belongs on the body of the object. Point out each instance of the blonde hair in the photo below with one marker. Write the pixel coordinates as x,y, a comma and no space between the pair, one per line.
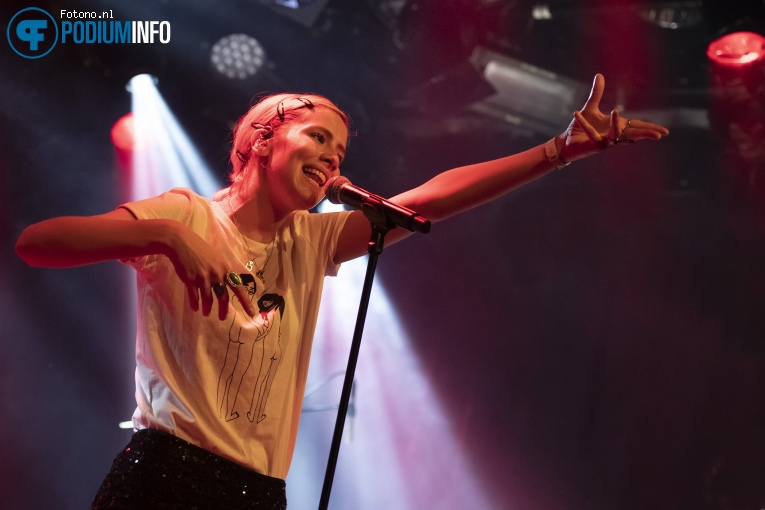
271,113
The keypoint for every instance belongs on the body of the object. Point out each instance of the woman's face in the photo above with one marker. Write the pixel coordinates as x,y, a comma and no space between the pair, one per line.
303,155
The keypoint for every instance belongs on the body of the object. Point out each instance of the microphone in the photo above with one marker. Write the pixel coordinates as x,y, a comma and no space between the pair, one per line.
339,190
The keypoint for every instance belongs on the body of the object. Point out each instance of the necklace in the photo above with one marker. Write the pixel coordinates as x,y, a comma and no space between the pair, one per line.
251,262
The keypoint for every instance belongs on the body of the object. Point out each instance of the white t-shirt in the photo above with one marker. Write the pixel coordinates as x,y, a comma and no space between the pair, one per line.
233,387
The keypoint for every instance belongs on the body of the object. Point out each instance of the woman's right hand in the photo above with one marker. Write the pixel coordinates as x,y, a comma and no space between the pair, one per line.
200,268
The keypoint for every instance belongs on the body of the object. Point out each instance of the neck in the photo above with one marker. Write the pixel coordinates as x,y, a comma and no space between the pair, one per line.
254,215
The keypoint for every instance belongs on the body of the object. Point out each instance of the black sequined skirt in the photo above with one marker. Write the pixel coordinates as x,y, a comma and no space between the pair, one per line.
157,470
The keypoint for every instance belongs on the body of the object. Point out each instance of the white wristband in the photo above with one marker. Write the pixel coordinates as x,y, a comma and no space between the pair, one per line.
551,152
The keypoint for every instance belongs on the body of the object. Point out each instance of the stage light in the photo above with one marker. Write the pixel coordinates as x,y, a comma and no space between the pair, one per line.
531,99
673,16
540,12
736,30
123,133
737,98
293,4
238,56
161,156
141,79
737,49
304,12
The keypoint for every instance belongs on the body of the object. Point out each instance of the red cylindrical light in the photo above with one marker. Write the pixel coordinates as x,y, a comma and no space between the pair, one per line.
737,49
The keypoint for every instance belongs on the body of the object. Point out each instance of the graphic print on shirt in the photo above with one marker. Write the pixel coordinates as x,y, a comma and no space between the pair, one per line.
252,358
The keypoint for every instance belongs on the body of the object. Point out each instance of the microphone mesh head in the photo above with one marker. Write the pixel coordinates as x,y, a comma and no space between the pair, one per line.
333,187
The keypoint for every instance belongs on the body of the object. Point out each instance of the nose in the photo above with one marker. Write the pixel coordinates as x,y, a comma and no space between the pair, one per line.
333,160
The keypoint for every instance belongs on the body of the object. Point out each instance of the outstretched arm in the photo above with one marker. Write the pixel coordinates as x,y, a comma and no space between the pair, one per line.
70,241
463,188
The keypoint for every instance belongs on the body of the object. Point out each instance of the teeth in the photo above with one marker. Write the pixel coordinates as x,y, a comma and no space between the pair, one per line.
315,172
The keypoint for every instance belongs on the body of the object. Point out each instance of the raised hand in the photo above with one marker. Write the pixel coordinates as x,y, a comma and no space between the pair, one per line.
592,131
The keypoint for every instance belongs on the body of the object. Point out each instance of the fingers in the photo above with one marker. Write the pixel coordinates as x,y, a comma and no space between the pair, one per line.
602,141
191,290
641,134
205,292
596,93
194,292
206,276
614,130
240,291
640,130
588,128
634,130
244,298
621,130
202,289
221,293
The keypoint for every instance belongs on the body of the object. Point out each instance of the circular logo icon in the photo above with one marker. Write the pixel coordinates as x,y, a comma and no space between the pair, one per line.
32,32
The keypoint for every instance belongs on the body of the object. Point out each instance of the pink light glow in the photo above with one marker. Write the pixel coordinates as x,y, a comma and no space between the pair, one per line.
399,448
737,49
123,133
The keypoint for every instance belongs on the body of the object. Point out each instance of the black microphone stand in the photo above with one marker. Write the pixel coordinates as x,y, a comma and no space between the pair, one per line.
375,213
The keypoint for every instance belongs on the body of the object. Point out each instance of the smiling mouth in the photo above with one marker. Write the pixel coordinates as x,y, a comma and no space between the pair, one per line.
315,175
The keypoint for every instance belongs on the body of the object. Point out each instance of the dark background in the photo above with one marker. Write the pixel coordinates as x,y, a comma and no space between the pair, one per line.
598,335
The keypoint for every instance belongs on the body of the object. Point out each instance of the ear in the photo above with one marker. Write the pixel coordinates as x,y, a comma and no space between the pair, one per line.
262,145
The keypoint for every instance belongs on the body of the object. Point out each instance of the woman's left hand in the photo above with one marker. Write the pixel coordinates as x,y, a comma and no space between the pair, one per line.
592,131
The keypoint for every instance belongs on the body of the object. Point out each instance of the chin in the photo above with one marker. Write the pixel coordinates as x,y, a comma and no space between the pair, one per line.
317,202
315,198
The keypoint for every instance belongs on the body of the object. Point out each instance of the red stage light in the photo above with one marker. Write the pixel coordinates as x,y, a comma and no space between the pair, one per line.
737,49
123,133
